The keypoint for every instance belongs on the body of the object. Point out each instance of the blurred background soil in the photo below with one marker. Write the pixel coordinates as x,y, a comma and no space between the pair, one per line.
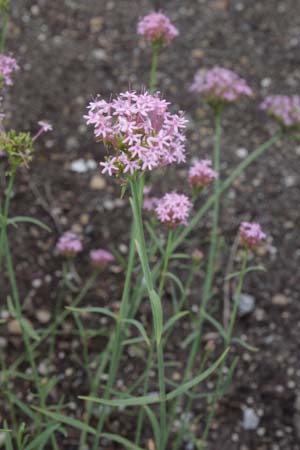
71,50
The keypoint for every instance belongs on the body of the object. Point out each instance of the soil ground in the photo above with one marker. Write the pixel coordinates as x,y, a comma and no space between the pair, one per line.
71,50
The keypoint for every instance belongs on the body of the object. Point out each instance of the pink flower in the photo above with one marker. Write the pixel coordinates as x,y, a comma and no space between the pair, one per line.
100,258
251,234
201,174
220,85
8,65
156,27
44,128
69,244
284,109
140,129
173,209
2,154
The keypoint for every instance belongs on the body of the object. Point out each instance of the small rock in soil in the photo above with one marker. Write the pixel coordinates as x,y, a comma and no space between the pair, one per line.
250,419
43,316
280,300
246,304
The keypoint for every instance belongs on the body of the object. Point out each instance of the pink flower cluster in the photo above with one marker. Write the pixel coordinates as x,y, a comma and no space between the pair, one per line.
201,174
156,27
69,244
220,85
8,65
100,258
173,209
251,234
140,129
284,109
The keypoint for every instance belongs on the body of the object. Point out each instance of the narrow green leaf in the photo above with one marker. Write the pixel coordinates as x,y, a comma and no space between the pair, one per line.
169,324
229,376
140,327
190,384
25,219
154,424
121,440
132,341
41,440
22,406
155,398
157,314
245,344
189,339
30,330
249,269
123,402
93,309
176,280
67,420
215,323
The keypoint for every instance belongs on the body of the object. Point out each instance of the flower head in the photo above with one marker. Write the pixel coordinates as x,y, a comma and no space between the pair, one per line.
156,27
140,129
69,244
201,174
220,86
100,258
251,234
45,126
284,109
173,209
8,65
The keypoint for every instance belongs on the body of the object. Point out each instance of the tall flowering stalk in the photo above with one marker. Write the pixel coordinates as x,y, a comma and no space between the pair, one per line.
158,31
143,135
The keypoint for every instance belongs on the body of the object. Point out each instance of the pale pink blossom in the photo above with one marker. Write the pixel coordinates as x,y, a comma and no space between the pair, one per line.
284,109
220,85
173,209
141,131
251,234
44,128
101,258
69,244
8,65
201,174
156,27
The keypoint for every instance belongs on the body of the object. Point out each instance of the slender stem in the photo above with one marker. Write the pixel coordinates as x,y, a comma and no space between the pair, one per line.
118,337
18,311
210,265
4,217
218,391
149,283
3,31
145,390
167,255
156,48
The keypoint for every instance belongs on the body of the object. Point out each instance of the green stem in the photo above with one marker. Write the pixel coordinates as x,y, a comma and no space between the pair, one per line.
3,31
156,48
4,216
26,338
167,255
210,265
229,333
149,283
118,337
149,365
